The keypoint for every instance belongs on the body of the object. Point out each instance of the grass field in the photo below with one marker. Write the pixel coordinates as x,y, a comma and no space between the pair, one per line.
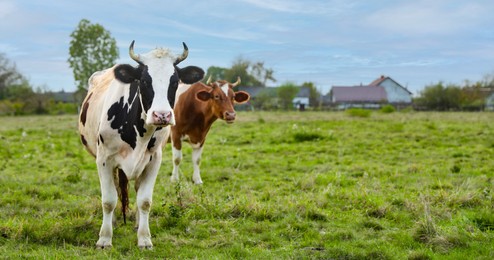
276,186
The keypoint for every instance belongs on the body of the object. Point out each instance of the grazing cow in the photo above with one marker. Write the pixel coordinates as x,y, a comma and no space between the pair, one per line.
197,107
124,121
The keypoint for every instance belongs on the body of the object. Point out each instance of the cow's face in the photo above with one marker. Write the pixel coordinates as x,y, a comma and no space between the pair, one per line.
222,98
155,81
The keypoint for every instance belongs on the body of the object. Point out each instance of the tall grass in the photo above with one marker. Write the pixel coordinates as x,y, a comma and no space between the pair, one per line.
276,186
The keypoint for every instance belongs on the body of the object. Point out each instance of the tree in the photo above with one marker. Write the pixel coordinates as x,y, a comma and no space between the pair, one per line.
440,97
240,68
91,49
215,73
286,94
9,77
262,74
251,74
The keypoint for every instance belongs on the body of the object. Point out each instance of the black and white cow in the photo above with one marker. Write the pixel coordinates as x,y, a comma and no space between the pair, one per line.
124,122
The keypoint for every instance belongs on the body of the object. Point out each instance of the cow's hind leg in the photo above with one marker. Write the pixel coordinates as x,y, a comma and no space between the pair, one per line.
145,186
109,200
196,161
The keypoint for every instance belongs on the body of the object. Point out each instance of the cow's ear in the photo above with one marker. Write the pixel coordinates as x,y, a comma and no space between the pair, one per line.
190,74
241,97
126,73
203,95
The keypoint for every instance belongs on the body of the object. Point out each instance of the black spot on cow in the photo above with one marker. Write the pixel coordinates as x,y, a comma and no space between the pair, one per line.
101,139
83,140
84,110
146,89
151,143
187,75
126,116
172,88
126,119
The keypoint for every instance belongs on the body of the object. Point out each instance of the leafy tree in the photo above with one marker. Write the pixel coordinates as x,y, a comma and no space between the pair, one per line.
252,74
91,49
440,97
262,74
9,77
215,73
286,94
240,68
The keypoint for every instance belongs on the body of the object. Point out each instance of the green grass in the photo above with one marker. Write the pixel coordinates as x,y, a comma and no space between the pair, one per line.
276,185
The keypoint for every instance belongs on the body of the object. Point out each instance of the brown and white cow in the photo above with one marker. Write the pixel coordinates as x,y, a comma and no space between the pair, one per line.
198,106
124,121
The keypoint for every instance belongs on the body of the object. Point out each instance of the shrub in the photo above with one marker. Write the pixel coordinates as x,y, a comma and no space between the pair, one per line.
358,112
388,109
304,136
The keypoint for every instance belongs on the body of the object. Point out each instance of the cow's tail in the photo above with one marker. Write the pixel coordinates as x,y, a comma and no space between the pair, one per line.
123,188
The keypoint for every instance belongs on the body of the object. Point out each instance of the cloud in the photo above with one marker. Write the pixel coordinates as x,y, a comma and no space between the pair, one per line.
6,9
302,7
428,17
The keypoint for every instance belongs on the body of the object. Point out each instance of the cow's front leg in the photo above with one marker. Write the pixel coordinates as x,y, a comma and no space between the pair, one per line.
177,158
145,187
196,161
109,199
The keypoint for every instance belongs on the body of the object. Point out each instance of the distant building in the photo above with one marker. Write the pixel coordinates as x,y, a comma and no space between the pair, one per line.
301,100
383,90
358,96
397,94
489,102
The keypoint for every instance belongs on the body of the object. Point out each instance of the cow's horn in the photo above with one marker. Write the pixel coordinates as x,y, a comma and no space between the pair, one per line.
236,82
209,80
184,54
132,54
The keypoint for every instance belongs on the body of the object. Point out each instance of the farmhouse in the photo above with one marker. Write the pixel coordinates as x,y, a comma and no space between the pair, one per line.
301,100
489,102
383,90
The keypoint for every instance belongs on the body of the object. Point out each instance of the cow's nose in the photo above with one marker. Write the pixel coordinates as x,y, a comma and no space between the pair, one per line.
230,116
162,118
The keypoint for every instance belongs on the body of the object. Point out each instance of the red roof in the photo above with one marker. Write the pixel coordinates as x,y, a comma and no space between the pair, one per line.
378,81
359,94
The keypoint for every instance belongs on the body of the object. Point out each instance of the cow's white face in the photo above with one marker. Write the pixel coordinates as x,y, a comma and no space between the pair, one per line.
154,83
164,77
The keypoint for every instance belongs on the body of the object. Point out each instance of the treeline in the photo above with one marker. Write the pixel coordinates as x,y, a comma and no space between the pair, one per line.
451,97
92,48
17,96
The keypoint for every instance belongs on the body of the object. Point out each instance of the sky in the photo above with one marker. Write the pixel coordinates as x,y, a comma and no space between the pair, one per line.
327,42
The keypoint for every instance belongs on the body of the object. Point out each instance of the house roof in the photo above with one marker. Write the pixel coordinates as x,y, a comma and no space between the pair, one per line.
359,94
378,81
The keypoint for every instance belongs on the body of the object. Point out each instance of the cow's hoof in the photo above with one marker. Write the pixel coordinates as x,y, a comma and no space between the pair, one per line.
198,182
174,179
103,243
145,243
